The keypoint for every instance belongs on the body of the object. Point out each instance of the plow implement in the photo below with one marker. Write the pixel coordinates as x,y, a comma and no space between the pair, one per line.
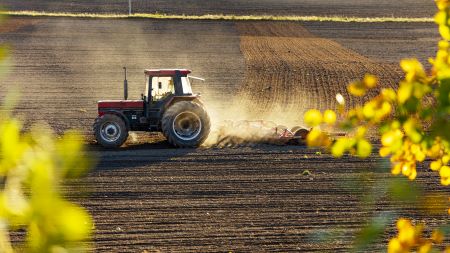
246,132
252,132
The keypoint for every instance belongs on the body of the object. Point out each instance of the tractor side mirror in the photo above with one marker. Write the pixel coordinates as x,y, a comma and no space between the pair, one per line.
142,96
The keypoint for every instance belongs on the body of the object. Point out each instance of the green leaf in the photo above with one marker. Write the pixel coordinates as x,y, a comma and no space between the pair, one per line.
371,232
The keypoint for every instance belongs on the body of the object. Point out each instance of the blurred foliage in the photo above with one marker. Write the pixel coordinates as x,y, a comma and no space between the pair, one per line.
371,232
413,120
410,237
33,165
413,125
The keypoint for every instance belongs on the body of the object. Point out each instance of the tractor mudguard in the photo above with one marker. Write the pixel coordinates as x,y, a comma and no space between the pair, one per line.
118,113
175,99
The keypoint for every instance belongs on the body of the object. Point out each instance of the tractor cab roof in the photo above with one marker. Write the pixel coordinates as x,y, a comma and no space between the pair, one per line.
166,72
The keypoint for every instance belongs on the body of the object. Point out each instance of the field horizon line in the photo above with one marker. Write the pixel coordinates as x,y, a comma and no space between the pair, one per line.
225,17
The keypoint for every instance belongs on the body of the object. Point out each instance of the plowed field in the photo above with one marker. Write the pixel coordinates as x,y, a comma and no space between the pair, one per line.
148,196
240,200
289,70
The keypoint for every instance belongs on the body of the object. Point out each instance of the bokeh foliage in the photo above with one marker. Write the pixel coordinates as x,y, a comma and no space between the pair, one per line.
33,166
413,120
413,125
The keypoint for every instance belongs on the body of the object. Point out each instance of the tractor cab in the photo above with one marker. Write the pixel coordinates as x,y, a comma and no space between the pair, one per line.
163,83
163,87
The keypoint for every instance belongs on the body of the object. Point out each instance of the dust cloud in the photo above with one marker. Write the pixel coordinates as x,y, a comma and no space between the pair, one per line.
242,122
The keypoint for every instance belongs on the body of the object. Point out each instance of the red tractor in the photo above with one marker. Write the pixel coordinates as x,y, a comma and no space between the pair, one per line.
168,106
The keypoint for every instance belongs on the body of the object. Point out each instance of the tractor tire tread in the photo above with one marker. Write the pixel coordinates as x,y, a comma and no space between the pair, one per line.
111,117
173,111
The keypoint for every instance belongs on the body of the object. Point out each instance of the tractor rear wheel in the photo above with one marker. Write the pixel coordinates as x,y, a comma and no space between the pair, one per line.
110,131
186,124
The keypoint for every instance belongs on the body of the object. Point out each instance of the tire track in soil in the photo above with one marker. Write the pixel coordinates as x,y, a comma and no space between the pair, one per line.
289,70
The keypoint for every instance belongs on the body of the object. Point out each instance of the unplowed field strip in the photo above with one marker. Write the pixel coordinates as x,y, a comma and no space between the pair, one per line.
289,70
383,42
361,8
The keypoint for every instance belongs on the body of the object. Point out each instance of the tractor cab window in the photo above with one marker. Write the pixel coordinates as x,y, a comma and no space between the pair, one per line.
186,85
162,87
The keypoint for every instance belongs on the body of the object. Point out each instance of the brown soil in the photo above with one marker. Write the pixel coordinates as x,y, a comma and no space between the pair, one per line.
12,25
384,42
258,199
240,200
289,70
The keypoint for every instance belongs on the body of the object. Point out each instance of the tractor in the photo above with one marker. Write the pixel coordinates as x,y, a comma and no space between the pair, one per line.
168,106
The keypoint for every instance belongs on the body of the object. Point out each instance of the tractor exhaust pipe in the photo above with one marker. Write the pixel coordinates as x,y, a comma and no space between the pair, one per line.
125,85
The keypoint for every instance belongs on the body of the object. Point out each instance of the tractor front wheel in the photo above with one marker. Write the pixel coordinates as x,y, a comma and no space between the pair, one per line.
186,124
110,131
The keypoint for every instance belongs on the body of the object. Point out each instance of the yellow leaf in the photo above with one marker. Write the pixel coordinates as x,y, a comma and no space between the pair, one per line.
384,111
395,246
391,138
385,151
425,248
74,223
436,165
369,109
444,31
412,68
407,169
12,147
329,117
434,151
445,159
313,138
440,18
403,223
313,117
397,169
442,4
361,132
444,172
407,235
420,156
363,148
404,92
389,94
411,127
437,236
443,45
370,81
409,65
356,89
339,147
413,174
